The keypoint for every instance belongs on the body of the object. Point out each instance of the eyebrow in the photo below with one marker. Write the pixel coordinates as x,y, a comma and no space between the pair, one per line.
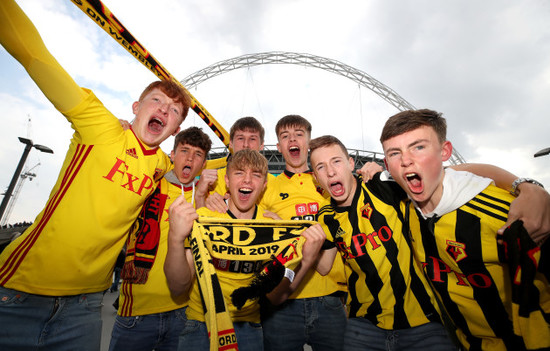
319,163
294,129
418,141
415,142
242,133
339,157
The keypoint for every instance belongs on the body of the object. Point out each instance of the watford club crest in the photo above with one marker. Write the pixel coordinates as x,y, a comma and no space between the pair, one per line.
319,189
456,250
366,211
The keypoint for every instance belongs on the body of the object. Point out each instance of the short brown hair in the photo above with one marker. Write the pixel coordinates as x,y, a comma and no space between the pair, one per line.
194,136
248,159
250,124
325,141
292,121
173,90
413,119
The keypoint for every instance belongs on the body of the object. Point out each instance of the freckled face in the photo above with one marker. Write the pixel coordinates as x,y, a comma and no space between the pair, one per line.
156,118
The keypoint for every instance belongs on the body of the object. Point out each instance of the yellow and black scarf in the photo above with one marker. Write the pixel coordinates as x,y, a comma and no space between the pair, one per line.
143,241
276,243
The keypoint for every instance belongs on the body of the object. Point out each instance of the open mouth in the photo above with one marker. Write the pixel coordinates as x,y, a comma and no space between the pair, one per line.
414,181
294,151
245,193
156,125
186,171
336,189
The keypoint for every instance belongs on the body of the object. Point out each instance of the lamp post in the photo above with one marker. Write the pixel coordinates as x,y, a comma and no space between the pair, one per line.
28,146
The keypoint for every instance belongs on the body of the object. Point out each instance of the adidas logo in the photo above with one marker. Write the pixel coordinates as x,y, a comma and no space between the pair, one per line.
340,232
131,152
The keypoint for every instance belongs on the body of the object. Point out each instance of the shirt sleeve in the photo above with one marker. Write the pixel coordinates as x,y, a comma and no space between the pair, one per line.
21,39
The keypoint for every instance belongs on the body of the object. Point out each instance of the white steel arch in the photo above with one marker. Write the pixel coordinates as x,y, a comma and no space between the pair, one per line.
293,58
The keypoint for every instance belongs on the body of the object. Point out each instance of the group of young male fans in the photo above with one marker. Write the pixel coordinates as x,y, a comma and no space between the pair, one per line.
418,257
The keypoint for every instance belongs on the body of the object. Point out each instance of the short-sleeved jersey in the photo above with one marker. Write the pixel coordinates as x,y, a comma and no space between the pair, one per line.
231,276
154,296
299,196
72,246
385,285
461,257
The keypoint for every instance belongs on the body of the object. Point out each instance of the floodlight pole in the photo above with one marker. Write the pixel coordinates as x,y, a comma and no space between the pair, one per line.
28,146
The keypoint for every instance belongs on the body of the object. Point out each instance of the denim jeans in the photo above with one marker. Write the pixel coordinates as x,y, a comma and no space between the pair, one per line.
195,336
362,335
317,321
157,331
29,322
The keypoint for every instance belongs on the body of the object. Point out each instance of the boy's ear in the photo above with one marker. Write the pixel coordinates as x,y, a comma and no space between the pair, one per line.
386,163
176,131
135,107
172,156
352,163
446,151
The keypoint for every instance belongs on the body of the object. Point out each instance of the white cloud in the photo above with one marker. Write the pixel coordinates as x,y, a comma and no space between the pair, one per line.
483,64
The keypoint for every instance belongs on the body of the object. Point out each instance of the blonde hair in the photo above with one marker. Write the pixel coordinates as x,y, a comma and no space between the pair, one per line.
248,159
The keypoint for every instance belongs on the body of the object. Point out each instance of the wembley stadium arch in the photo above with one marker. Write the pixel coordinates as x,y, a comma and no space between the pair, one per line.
308,60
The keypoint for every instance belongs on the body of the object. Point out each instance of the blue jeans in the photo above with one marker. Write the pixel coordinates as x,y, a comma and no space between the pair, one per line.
362,335
195,336
158,331
317,321
29,322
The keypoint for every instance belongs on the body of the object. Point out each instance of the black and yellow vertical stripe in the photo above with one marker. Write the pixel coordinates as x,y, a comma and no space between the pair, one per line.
385,285
466,266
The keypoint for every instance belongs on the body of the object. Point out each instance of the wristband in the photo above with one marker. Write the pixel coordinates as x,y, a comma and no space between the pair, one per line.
289,273
518,181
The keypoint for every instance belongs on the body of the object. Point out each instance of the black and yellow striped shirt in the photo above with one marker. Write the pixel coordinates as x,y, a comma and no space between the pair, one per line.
385,286
461,257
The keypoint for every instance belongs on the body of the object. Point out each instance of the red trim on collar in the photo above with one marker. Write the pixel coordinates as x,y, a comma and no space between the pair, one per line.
146,152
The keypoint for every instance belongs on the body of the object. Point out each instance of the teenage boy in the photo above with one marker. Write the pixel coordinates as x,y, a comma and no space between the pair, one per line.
389,303
454,218
149,317
314,313
245,133
246,178
53,276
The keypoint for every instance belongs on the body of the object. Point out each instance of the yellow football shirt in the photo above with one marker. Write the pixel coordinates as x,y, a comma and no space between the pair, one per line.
154,296
72,246
298,196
